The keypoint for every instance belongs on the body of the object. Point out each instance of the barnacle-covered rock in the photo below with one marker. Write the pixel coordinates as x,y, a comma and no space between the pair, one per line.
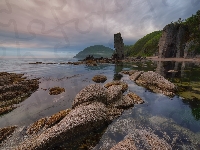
156,83
124,85
125,102
136,75
56,90
126,144
46,122
89,94
99,78
14,88
6,131
136,98
79,121
114,93
129,72
142,139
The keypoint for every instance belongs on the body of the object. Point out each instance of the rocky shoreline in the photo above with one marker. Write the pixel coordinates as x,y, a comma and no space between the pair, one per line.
93,108
14,88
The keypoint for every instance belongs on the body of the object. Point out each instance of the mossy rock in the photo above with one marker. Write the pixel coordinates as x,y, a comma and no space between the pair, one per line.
99,78
56,90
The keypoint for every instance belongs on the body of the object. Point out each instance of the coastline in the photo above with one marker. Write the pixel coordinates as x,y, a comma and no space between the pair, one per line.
174,59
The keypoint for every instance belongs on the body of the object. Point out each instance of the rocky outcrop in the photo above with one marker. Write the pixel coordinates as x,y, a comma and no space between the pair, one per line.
142,139
172,41
14,88
154,82
124,85
91,93
94,107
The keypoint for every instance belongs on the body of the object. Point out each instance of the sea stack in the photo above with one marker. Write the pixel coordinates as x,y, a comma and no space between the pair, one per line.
119,46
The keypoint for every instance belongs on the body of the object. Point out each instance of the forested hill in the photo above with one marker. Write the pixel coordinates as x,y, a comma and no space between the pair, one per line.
97,51
145,46
148,45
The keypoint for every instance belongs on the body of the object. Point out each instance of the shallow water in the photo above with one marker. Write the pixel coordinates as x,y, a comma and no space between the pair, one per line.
183,113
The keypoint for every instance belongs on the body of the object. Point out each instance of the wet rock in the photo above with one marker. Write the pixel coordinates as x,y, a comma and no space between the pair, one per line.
14,87
46,122
114,93
135,98
136,75
156,83
89,94
6,131
142,139
56,90
79,121
124,85
129,72
124,103
126,144
99,78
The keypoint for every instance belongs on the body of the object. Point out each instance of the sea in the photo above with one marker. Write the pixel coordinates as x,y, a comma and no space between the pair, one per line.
176,117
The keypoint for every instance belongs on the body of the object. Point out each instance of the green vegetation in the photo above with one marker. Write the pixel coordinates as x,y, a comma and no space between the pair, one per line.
146,46
97,51
193,23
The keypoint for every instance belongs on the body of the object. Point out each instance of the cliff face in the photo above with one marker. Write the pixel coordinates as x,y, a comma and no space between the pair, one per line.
173,41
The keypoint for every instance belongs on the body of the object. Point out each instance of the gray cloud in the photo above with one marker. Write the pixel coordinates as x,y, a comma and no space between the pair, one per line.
74,25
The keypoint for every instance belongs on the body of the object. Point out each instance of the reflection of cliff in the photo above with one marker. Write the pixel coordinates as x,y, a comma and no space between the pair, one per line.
164,67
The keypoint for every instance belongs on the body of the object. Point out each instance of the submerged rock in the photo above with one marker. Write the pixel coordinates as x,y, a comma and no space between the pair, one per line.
6,131
142,139
56,90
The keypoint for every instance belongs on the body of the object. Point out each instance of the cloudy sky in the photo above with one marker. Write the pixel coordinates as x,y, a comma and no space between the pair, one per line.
62,28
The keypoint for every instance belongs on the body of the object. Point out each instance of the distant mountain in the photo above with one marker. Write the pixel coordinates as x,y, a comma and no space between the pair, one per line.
97,51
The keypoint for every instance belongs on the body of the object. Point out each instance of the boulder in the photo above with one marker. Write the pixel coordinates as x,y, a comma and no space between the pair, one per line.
136,75
157,83
79,121
116,82
114,93
91,93
99,78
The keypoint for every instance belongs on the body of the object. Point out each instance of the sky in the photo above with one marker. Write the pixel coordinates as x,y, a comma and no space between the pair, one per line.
62,28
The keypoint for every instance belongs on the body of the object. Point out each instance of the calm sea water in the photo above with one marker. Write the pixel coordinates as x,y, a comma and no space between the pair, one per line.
158,111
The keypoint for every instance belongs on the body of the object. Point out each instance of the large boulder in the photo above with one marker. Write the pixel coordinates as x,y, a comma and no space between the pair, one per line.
79,121
157,83
91,93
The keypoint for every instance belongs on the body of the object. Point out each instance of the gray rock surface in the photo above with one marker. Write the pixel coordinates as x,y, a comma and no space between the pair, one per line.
172,41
